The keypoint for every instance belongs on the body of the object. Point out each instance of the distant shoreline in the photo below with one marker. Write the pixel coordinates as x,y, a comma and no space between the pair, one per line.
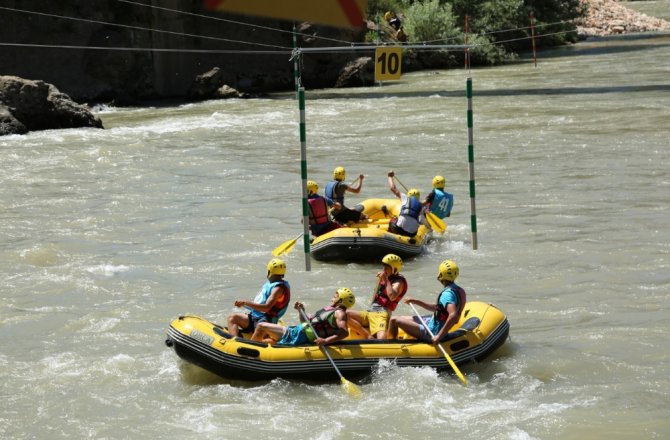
610,17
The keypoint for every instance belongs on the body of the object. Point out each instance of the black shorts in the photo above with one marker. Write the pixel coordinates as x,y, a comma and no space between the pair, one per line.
347,215
252,323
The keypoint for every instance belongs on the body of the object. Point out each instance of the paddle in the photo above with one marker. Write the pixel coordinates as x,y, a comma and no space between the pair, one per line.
434,221
444,352
286,246
348,386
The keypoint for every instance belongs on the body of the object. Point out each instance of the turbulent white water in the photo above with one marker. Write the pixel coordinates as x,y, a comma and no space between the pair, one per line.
109,235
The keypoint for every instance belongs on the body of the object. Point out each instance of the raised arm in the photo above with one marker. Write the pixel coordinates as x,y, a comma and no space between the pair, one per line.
391,182
359,185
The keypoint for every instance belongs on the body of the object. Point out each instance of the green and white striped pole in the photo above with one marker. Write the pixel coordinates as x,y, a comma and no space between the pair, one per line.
471,165
296,60
303,173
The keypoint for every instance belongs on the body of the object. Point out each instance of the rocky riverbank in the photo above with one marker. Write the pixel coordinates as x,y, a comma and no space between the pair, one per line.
609,17
27,105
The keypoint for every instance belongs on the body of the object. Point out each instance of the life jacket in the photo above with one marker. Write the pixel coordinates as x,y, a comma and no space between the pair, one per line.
382,298
442,203
441,313
280,305
323,322
411,208
331,193
319,209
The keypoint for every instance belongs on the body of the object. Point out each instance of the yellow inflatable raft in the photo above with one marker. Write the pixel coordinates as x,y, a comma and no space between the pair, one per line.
481,329
369,240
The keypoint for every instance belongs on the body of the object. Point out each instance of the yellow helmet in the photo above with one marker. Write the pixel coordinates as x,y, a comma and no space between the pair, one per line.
276,267
339,173
347,298
414,193
448,271
438,182
312,187
394,261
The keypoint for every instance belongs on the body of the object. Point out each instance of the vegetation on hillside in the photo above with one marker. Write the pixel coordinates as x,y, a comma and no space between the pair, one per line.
500,29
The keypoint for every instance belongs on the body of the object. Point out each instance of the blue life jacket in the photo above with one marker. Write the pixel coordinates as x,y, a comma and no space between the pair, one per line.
442,203
412,208
279,307
331,194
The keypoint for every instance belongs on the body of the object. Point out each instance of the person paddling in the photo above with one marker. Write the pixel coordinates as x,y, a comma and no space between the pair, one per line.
407,222
438,201
329,323
334,193
319,219
446,310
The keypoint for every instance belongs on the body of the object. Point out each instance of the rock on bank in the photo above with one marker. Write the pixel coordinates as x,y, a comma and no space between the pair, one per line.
609,17
27,105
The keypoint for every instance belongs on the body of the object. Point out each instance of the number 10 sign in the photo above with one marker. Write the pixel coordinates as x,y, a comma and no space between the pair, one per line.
387,63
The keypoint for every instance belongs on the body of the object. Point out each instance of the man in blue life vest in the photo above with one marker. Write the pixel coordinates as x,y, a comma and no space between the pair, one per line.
407,222
334,193
270,302
330,324
446,310
319,219
439,202
391,287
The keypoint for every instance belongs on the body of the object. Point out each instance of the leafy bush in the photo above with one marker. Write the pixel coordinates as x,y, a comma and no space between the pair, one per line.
430,21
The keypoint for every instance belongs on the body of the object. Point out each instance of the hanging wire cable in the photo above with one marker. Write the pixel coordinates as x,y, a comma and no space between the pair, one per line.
525,28
150,49
528,38
181,34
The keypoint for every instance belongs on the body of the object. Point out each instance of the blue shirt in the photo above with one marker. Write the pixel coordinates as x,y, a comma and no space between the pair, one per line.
262,298
447,296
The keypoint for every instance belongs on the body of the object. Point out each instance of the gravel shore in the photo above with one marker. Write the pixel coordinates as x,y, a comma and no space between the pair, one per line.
609,17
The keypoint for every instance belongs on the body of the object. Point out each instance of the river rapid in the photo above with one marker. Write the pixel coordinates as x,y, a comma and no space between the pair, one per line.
108,235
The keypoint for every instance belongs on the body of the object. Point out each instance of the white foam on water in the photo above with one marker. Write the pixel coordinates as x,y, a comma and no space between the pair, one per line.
108,270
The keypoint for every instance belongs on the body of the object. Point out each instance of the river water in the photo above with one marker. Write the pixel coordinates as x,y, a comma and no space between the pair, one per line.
108,235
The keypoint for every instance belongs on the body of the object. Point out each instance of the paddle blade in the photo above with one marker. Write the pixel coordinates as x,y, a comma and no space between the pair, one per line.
461,377
350,388
435,222
285,247
453,366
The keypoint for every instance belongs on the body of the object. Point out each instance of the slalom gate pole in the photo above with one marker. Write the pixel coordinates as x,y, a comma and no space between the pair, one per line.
296,61
471,165
467,51
532,39
303,174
